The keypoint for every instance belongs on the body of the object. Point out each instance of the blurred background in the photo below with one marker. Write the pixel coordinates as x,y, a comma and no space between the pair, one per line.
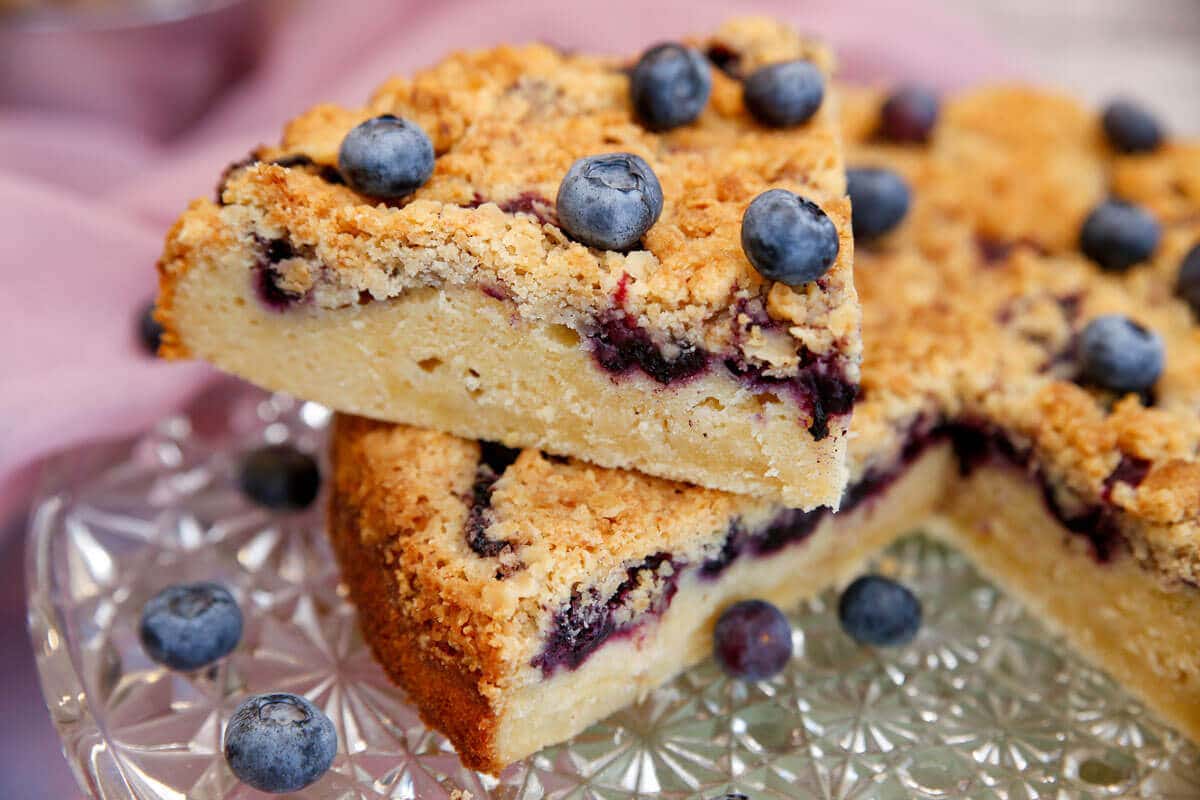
113,113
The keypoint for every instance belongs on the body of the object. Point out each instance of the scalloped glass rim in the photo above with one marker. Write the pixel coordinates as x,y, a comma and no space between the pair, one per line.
984,704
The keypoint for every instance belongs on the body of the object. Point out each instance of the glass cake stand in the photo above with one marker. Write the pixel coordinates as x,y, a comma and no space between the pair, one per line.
983,704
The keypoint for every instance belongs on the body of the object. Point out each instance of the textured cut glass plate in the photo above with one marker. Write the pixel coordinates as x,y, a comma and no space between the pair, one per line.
983,704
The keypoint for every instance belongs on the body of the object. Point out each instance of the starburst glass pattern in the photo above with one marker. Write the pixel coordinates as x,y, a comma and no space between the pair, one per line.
984,704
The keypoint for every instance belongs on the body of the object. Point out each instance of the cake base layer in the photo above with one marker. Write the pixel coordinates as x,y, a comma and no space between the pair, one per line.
1115,613
492,734
461,361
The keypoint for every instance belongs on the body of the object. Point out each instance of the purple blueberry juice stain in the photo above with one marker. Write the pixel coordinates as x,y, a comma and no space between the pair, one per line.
495,292
1131,470
619,345
530,203
494,459
789,526
266,278
977,445
820,385
588,621
922,435
534,204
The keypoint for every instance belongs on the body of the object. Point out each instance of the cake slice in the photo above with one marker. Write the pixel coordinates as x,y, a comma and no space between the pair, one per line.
518,597
473,307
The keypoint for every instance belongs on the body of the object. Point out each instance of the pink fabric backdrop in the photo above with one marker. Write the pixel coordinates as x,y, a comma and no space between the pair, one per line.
86,201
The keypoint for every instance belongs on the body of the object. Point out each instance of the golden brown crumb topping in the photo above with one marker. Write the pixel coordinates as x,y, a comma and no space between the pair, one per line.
506,124
972,306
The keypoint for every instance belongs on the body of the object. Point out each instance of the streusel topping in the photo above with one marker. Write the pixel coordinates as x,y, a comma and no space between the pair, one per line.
506,124
973,306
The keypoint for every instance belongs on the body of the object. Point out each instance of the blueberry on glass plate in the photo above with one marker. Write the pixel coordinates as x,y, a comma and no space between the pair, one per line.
752,640
279,742
784,94
609,201
189,626
1118,354
879,611
386,157
788,238
280,477
669,86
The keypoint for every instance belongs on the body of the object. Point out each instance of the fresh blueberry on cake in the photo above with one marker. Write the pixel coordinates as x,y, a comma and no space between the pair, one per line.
1119,354
908,115
190,626
669,86
279,476
609,201
279,742
518,600
784,94
879,200
1118,235
386,157
879,611
1131,128
788,238
558,267
752,640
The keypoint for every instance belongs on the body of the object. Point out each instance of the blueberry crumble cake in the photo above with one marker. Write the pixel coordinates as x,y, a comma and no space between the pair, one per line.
1030,392
556,251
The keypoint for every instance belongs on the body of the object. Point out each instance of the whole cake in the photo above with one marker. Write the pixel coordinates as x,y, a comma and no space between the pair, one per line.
483,300
1030,393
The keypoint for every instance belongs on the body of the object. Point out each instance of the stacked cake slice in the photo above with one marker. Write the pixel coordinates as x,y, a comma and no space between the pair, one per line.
512,332
469,306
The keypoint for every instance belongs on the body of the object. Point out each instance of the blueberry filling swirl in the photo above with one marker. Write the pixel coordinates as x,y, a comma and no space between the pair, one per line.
588,620
494,460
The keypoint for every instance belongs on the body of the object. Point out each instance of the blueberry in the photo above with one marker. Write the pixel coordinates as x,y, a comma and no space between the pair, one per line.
669,86
1188,284
908,115
1117,235
150,330
784,94
191,625
788,238
879,198
609,201
1116,353
1131,128
879,611
752,640
279,476
386,157
279,742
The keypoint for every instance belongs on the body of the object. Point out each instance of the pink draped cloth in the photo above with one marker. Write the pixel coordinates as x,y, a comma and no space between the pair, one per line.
86,201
